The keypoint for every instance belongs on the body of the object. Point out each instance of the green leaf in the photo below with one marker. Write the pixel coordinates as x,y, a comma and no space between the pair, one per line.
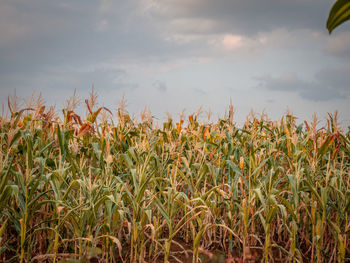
339,14
325,146
260,166
162,210
260,196
6,193
289,207
234,167
15,138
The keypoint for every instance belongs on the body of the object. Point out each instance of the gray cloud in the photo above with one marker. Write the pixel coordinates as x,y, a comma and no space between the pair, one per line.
61,81
200,92
337,78
322,93
37,35
160,86
120,46
244,17
329,84
286,82
339,44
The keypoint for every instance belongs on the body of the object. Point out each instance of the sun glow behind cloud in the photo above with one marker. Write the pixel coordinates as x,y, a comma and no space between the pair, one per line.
232,42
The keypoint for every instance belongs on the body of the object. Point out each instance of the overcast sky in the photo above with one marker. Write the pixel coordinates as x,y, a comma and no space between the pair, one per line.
176,54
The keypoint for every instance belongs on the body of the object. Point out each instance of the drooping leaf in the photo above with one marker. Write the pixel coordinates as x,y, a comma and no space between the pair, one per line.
339,14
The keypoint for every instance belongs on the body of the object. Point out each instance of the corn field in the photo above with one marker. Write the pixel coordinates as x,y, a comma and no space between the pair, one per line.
108,188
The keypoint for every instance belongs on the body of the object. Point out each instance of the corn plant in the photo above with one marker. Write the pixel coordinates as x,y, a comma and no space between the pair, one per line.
110,188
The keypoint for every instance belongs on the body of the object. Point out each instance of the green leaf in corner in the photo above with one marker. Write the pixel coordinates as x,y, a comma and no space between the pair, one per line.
339,14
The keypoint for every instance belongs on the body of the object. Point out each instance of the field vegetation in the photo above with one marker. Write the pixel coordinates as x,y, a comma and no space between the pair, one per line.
108,188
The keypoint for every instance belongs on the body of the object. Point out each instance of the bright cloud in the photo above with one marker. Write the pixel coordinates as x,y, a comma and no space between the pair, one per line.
232,42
